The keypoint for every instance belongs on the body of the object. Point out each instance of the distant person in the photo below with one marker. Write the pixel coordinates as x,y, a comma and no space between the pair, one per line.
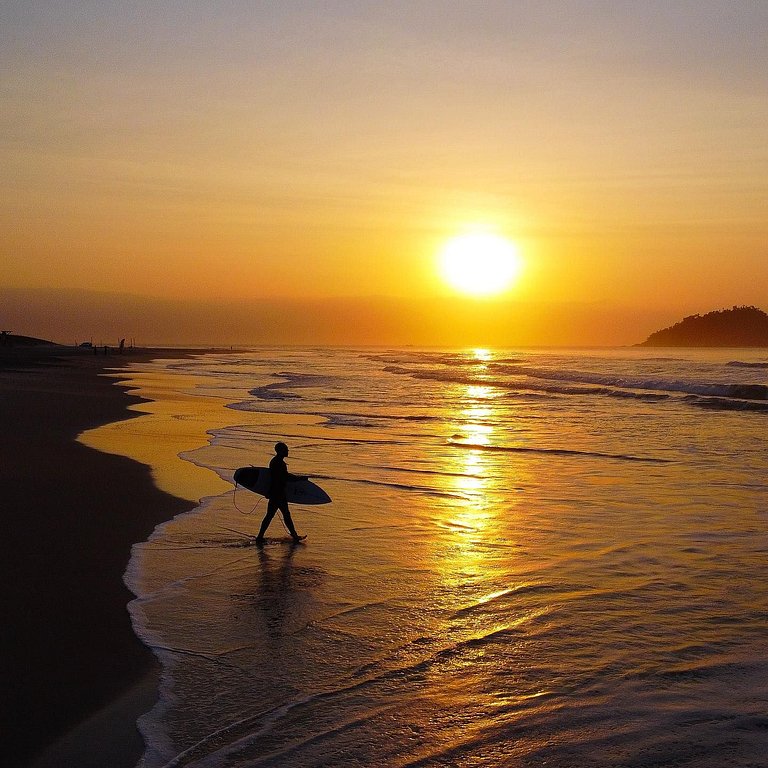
122,345
279,476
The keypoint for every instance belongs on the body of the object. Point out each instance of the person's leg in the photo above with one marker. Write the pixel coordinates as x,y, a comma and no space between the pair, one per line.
289,521
271,509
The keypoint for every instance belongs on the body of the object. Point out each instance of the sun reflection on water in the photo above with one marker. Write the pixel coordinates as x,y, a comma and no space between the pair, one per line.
476,424
473,554
472,471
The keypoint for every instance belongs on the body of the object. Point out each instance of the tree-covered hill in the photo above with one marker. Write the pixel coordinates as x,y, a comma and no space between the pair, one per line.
736,327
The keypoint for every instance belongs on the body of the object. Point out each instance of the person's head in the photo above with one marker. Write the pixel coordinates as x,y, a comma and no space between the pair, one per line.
281,449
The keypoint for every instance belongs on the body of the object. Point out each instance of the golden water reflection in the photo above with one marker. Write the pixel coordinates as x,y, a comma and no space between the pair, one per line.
472,470
474,553
476,425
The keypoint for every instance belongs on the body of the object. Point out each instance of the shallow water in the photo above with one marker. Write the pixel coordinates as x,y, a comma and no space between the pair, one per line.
532,558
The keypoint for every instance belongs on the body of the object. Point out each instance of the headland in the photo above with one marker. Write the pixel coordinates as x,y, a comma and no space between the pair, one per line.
736,327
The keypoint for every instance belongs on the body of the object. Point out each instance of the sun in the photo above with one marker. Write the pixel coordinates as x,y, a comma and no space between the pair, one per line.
480,264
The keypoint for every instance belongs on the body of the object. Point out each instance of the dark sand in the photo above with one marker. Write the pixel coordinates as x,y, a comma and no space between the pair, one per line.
69,517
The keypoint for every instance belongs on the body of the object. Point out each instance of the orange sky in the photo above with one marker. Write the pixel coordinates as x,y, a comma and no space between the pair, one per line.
312,151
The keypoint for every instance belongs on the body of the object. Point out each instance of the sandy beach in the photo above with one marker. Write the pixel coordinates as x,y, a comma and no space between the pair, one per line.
68,646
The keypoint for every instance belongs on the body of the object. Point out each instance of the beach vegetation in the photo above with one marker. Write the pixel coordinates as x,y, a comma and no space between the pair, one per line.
740,326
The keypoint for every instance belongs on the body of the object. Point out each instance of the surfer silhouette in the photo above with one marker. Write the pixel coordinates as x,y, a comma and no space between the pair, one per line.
279,476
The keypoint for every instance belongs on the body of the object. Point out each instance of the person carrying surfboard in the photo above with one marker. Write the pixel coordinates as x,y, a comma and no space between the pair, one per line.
279,476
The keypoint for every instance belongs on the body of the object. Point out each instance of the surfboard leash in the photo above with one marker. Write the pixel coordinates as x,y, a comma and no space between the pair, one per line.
237,507
243,512
285,527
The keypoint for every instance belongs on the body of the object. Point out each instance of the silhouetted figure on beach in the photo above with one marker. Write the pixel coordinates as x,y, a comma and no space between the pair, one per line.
279,476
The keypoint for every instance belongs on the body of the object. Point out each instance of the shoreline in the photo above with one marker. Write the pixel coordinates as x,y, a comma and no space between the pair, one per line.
73,663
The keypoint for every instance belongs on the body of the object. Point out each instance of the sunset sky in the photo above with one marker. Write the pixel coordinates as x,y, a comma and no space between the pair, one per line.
266,168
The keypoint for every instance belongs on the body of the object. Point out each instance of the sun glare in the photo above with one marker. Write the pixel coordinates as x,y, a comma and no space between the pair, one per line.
480,264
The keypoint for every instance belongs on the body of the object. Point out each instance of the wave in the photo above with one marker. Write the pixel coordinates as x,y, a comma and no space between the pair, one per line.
650,397
742,397
523,388
345,419
665,359
274,392
723,404
276,389
743,364
466,359
424,489
363,420
736,390
235,742
502,595
422,471
434,375
557,452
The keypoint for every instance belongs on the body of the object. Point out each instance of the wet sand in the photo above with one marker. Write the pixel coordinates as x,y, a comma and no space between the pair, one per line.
69,517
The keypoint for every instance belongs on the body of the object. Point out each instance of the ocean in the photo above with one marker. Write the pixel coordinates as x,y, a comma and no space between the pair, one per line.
533,558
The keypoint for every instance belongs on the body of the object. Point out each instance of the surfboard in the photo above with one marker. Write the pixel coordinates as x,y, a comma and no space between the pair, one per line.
256,479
